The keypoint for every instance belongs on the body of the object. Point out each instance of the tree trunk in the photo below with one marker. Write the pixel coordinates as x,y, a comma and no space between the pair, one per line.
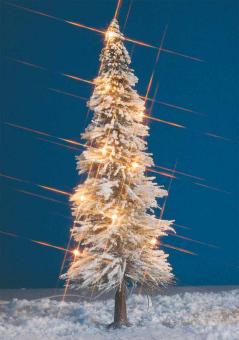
120,315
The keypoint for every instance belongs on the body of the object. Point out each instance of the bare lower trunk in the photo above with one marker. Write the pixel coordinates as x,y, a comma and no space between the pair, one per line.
120,315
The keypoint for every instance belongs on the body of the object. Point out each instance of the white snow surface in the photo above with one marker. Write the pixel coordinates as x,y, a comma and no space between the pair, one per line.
193,316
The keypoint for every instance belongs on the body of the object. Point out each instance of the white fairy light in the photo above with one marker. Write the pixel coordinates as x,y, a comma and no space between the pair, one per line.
76,252
135,165
107,87
154,241
104,150
82,198
110,35
114,218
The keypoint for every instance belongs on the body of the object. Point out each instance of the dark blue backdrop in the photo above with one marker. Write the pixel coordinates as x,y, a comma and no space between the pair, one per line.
204,29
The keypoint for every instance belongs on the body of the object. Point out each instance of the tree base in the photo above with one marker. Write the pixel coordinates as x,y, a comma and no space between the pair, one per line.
119,324
120,314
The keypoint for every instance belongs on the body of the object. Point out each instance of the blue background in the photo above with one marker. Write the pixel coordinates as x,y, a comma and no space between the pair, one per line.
204,29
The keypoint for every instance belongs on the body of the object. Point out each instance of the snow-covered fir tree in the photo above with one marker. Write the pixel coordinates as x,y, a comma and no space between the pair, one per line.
115,223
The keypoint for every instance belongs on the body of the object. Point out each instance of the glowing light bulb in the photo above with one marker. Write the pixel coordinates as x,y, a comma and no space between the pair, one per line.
82,198
141,114
154,241
104,150
110,35
135,165
114,218
76,252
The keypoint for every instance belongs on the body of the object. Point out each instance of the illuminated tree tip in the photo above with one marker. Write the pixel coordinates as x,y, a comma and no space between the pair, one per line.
113,31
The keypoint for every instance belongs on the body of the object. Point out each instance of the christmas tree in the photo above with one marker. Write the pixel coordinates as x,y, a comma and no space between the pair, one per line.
115,224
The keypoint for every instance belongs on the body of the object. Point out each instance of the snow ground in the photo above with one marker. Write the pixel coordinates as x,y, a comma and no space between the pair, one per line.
194,315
